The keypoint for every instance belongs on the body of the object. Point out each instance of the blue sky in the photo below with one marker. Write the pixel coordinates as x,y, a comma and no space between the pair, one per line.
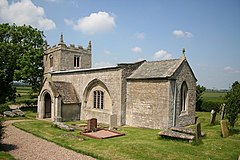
133,30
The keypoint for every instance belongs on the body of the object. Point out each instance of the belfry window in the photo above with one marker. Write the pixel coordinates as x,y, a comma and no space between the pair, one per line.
98,99
76,61
184,97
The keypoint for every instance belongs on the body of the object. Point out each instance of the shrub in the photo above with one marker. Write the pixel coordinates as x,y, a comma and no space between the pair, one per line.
233,104
207,106
1,131
3,108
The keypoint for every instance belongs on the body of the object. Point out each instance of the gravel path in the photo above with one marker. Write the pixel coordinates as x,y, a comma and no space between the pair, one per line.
25,146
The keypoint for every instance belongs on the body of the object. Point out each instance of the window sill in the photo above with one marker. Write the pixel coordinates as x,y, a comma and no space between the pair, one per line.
183,113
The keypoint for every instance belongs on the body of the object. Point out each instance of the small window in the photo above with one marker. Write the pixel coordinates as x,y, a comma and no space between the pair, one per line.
76,61
98,99
51,60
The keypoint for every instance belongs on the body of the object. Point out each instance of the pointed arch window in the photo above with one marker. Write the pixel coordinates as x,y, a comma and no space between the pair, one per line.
98,99
184,97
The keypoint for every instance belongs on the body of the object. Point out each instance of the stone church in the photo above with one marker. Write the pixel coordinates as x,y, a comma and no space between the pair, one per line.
151,94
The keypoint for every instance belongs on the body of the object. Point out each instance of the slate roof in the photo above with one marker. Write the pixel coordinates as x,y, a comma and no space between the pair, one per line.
157,69
67,92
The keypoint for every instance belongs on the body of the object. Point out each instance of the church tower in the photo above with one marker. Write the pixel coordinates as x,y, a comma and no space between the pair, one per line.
62,57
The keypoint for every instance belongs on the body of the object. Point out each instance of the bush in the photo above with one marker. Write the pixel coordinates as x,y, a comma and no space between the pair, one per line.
3,108
207,106
1,131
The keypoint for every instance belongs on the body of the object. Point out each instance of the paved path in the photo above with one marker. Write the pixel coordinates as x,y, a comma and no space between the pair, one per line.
25,146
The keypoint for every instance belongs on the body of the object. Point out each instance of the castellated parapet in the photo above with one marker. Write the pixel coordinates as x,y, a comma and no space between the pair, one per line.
61,57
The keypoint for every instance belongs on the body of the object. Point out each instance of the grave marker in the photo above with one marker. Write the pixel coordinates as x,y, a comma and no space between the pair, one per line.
223,111
113,121
213,117
198,132
92,124
224,128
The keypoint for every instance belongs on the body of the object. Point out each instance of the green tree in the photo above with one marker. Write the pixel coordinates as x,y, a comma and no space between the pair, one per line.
233,103
199,101
21,52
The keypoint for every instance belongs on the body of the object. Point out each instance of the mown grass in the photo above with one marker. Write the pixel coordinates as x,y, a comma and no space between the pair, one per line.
140,143
6,156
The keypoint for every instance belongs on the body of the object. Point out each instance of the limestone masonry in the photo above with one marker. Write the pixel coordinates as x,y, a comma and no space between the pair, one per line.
158,94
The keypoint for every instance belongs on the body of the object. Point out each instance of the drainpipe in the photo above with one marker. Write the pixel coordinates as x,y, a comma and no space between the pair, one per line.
174,102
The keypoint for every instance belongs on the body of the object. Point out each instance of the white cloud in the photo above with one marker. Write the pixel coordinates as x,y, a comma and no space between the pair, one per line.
25,12
136,49
162,54
140,35
94,23
229,69
182,34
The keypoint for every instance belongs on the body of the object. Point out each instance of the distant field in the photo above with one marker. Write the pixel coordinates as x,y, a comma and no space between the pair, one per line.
23,93
214,96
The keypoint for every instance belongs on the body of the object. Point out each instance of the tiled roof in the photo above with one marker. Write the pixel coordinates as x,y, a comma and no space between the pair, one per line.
67,92
157,69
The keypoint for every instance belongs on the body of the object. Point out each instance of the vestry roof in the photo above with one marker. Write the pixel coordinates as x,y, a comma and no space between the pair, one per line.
67,92
157,69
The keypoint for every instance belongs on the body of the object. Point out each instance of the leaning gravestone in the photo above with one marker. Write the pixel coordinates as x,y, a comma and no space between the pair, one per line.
92,124
224,128
223,111
113,121
213,117
198,132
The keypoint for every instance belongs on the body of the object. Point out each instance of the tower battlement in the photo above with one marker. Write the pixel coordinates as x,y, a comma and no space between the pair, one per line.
63,57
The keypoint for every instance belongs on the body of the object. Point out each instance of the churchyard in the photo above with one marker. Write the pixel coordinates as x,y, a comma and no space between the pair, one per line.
139,143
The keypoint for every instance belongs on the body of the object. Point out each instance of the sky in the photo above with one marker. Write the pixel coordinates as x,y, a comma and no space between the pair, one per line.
134,30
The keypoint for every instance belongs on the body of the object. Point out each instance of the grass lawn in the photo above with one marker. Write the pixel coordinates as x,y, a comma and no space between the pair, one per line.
144,144
6,156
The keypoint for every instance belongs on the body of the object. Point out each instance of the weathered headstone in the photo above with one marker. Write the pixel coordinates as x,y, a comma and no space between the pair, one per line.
63,126
92,124
224,128
113,121
196,118
223,111
198,131
213,117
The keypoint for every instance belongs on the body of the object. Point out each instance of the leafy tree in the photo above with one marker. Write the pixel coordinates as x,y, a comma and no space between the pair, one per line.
21,52
199,101
233,103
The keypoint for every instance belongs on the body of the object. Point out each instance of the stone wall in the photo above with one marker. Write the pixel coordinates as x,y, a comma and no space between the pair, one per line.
184,74
148,103
81,80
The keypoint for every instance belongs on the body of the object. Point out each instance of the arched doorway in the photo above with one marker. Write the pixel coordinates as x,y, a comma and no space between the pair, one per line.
47,105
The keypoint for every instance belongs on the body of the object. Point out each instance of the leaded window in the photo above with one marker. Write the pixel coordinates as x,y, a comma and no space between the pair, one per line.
98,99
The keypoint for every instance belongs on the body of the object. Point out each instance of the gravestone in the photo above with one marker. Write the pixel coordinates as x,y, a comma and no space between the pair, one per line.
113,121
198,132
92,124
223,111
224,128
213,117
